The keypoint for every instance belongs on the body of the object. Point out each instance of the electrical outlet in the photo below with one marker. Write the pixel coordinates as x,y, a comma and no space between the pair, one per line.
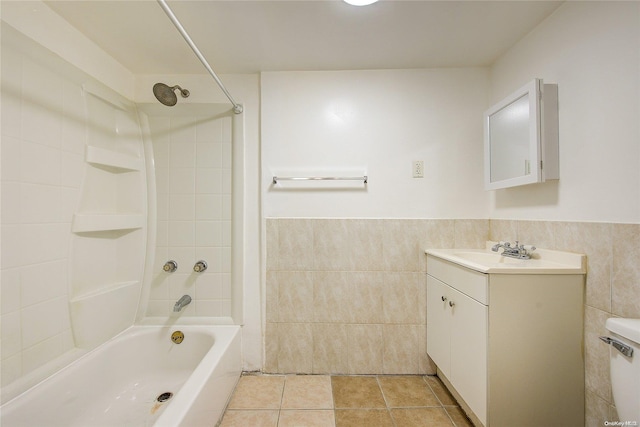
418,169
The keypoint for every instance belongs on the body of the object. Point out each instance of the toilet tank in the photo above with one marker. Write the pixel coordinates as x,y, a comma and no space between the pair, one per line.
625,369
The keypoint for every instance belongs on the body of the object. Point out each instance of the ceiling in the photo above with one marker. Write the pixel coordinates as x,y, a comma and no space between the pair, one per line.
241,36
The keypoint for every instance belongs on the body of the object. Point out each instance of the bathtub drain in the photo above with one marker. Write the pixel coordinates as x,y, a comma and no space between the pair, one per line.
164,397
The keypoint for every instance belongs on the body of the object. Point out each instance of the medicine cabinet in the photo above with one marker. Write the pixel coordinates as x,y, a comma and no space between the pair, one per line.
521,137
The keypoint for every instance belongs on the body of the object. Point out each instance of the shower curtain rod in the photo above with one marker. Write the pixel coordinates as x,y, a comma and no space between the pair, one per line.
237,108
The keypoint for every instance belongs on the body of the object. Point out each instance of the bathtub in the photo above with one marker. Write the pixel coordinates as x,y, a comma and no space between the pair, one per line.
128,380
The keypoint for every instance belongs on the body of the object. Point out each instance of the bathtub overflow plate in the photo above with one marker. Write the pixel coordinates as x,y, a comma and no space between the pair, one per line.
177,337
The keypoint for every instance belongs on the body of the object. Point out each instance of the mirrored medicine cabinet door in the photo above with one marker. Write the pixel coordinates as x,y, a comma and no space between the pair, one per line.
515,142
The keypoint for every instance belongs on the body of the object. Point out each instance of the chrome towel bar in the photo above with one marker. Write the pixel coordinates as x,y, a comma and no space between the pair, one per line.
364,178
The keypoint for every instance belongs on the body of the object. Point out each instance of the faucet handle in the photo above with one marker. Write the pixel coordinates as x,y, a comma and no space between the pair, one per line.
200,266
170,266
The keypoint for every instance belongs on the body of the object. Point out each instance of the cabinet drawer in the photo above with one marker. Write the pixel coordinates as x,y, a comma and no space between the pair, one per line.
469,282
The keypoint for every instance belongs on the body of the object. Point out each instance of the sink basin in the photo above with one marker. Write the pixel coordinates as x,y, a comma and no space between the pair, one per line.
542,261
484,257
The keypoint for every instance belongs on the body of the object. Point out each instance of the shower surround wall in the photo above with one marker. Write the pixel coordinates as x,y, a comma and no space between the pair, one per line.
73,212
192,163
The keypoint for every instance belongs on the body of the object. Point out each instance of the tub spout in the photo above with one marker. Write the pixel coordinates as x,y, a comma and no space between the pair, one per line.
181,303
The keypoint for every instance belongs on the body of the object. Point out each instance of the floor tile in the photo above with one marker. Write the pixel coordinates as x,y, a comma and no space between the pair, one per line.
356,392
363,418
440,390
258,392
342,401
421,417
306,418
407,391
458,416
253,418
307,392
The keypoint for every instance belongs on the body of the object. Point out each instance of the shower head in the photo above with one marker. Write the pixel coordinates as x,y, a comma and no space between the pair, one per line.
166,95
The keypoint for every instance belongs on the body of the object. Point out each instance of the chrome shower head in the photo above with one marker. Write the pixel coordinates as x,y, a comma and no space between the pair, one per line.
166,95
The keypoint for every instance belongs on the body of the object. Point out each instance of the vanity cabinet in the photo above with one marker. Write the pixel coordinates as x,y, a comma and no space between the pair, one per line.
508,346
457,328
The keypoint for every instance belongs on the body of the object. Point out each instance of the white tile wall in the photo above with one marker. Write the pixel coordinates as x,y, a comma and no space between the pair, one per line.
42,159
192,156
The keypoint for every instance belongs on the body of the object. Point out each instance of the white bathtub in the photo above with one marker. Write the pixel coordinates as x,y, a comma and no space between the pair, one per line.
117,384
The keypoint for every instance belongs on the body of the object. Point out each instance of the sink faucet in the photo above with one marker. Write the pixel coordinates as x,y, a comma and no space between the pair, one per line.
181,303
516,251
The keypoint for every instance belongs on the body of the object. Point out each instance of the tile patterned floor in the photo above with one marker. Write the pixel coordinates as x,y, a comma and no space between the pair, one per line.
342,401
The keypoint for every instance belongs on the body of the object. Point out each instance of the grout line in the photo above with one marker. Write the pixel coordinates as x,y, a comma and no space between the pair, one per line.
284,385
386,403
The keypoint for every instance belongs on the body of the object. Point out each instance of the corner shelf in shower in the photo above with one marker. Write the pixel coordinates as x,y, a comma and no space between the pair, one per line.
110,222
107,158
83,223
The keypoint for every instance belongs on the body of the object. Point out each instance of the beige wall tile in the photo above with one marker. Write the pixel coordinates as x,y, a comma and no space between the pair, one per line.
613,413
330,348
365,348
295,296
503,230
402,302
426,365
422,298
401,346
437,233
295,348
471,233
596,410
331,293
272,244
537,233
366,239
295,244
271,297
597,377
593,240
365,297
270,348
402,245
331,250
625,300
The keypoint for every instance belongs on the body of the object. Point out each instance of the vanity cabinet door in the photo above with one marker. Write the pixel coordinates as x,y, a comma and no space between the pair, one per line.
469,331
439,324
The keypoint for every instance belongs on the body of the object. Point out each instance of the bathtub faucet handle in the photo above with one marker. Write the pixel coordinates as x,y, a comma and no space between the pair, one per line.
170,266
200,266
